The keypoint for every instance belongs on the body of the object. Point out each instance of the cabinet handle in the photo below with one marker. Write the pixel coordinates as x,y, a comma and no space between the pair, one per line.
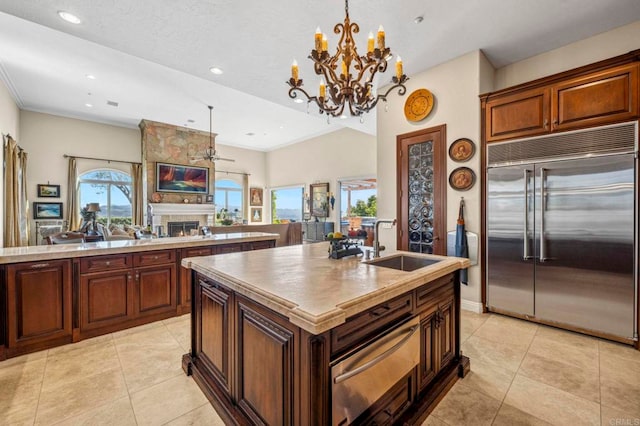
107,263
377,313
40,265
546,124
129,277
554,124
137,276
155,257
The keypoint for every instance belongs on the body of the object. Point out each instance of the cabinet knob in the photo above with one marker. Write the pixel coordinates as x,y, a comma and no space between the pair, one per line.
546,124
155,257
107,263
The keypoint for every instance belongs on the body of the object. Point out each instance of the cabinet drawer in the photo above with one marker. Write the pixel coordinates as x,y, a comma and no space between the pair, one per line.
196,251
257,245
434,291
228,248
154,258
105,263
367,324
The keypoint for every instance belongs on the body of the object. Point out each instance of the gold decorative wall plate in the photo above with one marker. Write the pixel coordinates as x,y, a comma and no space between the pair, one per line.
418,105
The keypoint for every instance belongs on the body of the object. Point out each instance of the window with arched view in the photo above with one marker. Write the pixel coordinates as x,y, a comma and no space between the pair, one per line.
228,202
112,190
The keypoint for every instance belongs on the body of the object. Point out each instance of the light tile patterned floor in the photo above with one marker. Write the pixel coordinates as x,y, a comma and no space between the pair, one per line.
521,373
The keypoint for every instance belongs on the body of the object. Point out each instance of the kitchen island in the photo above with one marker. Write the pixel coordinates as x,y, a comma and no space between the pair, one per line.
289,336
57,294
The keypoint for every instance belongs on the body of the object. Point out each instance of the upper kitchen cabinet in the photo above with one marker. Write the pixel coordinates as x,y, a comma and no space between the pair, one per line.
572,100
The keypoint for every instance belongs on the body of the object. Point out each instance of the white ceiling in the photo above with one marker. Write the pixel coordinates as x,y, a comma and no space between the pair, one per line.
153,56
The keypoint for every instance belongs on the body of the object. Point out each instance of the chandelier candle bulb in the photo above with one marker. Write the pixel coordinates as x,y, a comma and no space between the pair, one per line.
323,88
294,70
318,40
370,43
380,38
344,69
325,43
399,67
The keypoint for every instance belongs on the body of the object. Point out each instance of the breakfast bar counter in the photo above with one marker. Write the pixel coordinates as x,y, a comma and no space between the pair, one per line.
63,293
273,331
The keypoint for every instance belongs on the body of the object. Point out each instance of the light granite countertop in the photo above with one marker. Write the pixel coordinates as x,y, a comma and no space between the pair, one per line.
316,293
64,251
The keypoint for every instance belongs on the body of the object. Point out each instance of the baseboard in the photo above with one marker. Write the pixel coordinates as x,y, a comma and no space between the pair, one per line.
469,305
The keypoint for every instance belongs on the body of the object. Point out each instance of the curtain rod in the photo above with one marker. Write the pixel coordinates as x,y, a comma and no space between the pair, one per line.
233,173
100,159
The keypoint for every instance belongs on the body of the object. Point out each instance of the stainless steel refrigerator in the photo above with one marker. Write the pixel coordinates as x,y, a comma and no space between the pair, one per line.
562,230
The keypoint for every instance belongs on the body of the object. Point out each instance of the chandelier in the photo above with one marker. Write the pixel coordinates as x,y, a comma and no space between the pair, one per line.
210,154
346,77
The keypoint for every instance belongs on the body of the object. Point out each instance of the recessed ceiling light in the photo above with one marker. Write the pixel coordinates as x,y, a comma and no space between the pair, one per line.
298,101
282,127
91,76
190,121
88,105
418,19
250,134
69,17
216,70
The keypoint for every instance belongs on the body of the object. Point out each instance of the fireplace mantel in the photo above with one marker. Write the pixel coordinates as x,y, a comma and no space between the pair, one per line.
166,209
162,213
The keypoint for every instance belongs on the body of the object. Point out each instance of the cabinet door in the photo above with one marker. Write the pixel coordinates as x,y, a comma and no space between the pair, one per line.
428,357
185,282
605,97
445,331
266,359
106,298
214,345
39,305
156,289
518,115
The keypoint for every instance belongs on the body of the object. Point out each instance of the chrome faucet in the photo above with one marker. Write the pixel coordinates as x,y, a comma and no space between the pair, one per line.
377,248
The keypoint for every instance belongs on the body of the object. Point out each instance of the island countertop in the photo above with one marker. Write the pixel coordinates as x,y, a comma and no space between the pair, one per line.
63,251
313,291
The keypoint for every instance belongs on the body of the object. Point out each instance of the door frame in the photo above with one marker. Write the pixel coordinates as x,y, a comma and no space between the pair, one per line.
438,134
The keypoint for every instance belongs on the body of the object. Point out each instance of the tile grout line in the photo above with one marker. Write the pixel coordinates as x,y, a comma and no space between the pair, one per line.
184,414
44,371
135,418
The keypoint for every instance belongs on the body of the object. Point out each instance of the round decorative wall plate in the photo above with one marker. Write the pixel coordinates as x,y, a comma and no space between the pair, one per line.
462,178
462,150
418,105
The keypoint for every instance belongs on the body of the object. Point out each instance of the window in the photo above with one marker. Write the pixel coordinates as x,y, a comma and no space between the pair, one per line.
229,197
286,204
112,190
358,203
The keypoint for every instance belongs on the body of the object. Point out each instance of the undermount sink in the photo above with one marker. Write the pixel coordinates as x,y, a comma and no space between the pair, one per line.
403,262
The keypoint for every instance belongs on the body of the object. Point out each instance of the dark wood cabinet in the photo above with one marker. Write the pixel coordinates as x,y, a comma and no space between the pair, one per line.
184,288
156,289
563,102
39,305
214,328
266,372
106,298
258,368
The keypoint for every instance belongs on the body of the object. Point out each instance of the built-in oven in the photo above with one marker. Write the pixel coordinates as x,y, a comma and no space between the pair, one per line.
362,376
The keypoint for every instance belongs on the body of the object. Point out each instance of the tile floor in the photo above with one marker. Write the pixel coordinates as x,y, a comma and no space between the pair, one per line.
521,373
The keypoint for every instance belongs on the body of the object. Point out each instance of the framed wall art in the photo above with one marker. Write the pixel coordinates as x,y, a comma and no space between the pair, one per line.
462,179
47,210
255,197
256,215
184,179
48,191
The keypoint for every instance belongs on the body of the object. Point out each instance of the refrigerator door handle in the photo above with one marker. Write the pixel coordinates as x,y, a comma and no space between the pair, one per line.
525,247
543,209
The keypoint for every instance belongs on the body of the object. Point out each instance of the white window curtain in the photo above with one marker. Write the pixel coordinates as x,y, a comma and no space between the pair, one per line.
16,217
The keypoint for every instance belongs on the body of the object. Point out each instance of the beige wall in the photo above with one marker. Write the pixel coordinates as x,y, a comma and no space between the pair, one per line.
455,86
46,138
342,154
9,124
602,46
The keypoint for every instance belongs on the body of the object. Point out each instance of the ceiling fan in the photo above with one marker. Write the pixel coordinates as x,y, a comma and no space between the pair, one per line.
210,154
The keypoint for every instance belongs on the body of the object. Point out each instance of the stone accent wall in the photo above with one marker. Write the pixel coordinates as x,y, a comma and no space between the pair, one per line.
167,143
